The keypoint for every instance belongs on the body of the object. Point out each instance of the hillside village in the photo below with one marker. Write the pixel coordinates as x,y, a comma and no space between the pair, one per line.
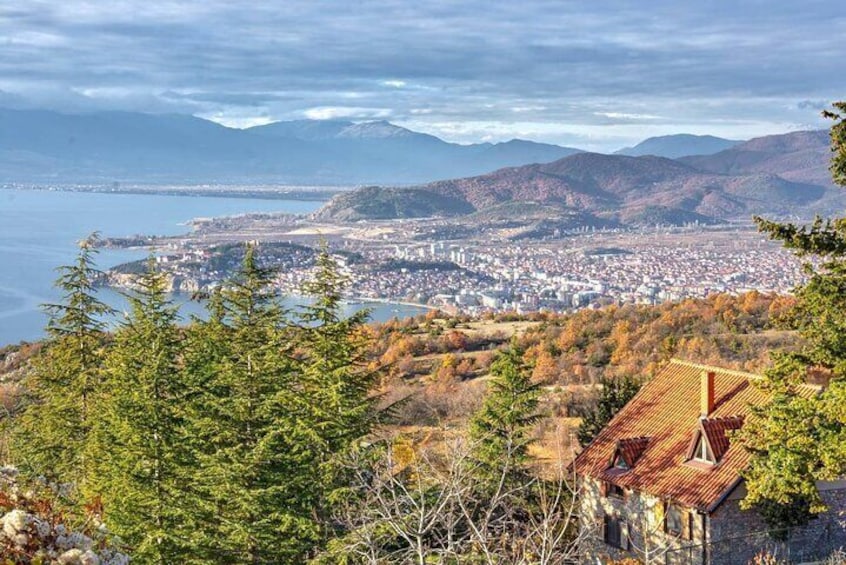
584,231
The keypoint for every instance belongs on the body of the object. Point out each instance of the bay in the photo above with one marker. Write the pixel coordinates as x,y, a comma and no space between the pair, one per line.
39,231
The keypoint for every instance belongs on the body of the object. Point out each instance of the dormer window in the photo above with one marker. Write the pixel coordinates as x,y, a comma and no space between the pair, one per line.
711,440
627,452
702,452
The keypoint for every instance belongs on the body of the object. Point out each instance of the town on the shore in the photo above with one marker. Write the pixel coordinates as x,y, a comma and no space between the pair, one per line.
585,268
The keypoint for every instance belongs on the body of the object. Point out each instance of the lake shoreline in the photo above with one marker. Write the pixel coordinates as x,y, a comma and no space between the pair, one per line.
39,231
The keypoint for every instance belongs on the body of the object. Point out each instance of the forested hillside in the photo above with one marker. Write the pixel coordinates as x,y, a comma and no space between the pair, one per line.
776,176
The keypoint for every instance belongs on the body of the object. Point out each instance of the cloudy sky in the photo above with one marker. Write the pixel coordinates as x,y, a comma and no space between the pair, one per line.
595,74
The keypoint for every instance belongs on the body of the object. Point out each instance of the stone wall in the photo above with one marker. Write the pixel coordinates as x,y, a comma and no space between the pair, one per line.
735,536
644,515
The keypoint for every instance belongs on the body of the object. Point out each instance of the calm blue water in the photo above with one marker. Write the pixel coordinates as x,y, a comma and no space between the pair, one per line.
39,230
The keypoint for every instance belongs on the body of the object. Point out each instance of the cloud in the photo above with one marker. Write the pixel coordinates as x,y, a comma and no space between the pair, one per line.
577,66
11,100
524,109
626,116
337,112
818,105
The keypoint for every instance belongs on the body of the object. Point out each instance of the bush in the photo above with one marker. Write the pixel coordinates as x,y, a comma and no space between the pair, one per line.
766,558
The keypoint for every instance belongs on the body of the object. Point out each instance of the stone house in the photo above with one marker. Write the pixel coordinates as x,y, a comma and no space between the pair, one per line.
661,482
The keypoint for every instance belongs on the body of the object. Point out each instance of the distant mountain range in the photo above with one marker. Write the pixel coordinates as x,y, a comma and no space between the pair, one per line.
44,146
669,179
783,175
802,156
679,145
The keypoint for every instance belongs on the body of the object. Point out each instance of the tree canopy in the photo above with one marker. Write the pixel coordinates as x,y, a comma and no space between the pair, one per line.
214,442
798,438
615,393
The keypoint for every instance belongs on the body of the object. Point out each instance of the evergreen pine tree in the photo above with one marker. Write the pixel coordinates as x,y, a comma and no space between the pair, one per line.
138,446
207,346
615,394
499,430
798,440
336,381
255,476
51,436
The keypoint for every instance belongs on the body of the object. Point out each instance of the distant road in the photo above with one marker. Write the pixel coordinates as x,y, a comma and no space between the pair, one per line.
370,300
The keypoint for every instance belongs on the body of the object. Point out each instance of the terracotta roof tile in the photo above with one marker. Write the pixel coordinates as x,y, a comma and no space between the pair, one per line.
667,412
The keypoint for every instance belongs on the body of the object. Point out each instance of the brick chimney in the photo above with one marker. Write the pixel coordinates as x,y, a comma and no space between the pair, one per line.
707,394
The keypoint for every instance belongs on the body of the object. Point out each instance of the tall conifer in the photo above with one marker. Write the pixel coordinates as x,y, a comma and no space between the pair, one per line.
500,429
51,435
335,378
255,468
138,446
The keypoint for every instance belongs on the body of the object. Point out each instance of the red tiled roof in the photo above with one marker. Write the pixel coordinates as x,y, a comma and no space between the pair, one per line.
667,412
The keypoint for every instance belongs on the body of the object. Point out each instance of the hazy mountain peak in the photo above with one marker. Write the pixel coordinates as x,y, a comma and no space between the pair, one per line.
801,156
603,164
679,145
793,141
517,142
311,130
111,146
321,130
375,129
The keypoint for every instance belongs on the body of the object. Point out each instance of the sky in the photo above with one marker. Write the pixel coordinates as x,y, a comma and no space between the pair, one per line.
595,74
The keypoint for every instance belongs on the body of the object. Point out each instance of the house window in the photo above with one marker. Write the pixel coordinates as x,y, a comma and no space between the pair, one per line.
702,452
674,520
615,491
678,522
620,463
616,532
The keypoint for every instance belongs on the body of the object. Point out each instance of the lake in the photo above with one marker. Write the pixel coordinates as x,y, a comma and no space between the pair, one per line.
39,230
